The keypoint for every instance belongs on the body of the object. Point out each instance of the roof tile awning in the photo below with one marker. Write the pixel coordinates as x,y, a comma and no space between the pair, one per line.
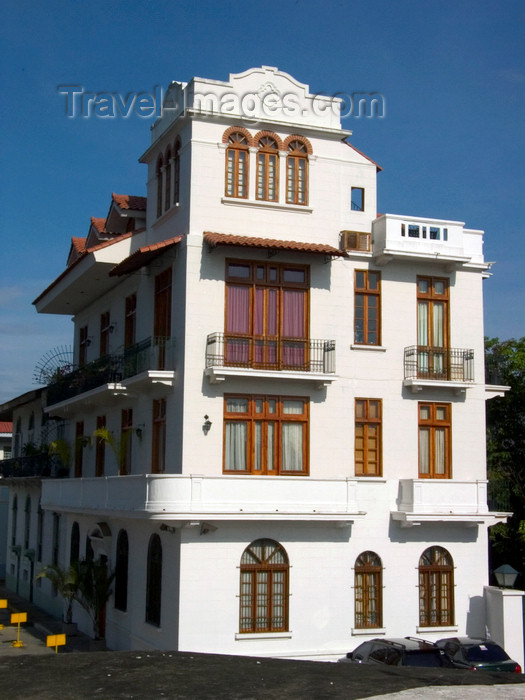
143,256
219,239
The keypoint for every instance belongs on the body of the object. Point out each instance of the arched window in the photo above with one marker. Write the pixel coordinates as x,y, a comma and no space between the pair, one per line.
176,172
264,588
27,523
167,181
39,532
154,582
18,439
436,588
297,172
158,177
268,169
74,545
90,554
237,155
121,571
14,519
368,591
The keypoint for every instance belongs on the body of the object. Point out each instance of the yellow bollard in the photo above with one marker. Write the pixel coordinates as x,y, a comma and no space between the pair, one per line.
17,618
55,640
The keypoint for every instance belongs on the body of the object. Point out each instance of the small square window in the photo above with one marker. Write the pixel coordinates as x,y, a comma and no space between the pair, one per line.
358,199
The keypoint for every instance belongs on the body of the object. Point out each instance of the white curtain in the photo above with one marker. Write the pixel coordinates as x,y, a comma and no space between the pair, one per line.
439,437
424,451
292,447
235,447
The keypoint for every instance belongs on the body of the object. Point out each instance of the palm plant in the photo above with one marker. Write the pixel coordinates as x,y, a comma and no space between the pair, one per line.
66,582
94,589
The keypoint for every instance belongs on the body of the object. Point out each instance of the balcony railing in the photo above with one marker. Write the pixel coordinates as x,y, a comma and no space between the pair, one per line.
292,354
155,353
39,465
439,364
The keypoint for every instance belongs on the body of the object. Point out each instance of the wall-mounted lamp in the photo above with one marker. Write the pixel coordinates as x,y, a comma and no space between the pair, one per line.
89,340
206,425
138,431
505,576
112,326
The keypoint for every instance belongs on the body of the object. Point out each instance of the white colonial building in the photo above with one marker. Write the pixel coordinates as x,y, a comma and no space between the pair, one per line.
292,387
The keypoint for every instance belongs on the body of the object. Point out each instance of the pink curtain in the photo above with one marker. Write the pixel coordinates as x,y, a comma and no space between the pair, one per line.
237,350
294,353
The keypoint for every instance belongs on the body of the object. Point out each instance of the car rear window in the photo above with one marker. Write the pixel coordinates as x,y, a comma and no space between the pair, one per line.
485,652
423,658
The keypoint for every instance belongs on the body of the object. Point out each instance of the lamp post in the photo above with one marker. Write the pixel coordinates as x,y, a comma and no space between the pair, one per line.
505,576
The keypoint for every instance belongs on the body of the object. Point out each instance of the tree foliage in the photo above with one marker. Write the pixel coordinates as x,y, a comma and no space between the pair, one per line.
505,365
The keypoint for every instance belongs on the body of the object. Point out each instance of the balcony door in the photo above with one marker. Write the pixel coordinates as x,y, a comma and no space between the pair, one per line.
432,328
266,316
162,315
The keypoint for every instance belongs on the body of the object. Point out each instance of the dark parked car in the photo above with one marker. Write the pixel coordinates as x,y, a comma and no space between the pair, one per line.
477,654
406,651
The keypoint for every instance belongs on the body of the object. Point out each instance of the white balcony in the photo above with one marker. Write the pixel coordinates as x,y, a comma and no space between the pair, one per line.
191,498
436,240
444,500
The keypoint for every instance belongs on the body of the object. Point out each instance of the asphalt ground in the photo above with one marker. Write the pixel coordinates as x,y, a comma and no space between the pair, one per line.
36,671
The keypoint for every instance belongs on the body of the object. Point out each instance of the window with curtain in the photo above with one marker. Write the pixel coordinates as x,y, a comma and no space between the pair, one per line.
27,523
436,588
154,581
432,327
237,155
266,434
130,321
126,441
264,588
434,441
83,342
100,448
121,571
14,519
297,172
367,307
267,315
104,334
79,448
167,180
368,591
367,453
267,169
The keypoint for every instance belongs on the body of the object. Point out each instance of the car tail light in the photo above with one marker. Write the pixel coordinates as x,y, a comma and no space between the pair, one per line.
517,668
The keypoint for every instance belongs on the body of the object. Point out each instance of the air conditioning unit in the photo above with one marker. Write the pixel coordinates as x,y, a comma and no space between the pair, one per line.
355,240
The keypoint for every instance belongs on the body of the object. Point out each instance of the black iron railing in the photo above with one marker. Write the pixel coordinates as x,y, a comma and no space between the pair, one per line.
39,465
444,364
155,353
294,354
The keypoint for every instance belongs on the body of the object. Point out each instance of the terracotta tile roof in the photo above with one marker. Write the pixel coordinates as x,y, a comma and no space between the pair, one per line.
217,239
79,244
82,255
143,256
6,426
129,201
379,168
98,223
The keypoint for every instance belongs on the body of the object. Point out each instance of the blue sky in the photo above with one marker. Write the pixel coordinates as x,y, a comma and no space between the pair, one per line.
451,144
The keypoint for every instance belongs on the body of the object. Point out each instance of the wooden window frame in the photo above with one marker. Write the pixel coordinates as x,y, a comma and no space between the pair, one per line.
436,586
279,418
126,441
176,172
432,424
366,292
105,324
159,182
74,543
79,448
100,448
158,440
264,155
27,523
364,597
432,296
253,600
167,180
235,147
130,321
366,421
296,155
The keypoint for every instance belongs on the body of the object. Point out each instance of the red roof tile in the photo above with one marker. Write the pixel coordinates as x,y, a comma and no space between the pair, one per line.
79,244
98,223
6,426
143,256
379,168
129,201
217,239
